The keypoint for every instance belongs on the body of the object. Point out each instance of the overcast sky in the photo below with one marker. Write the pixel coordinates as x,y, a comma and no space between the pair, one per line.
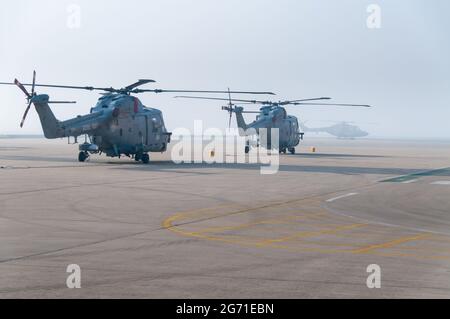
296,48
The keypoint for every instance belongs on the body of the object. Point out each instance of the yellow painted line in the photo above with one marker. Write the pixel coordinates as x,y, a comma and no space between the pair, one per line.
263,222
189,213
316,233
168,223
183,215
390,244
238,241
304,245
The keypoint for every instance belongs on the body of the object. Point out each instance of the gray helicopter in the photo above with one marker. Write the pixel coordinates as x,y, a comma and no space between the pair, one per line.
272,115
119,124
342,130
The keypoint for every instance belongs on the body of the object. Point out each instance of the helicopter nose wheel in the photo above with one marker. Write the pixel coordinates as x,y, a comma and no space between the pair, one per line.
247,149
83,156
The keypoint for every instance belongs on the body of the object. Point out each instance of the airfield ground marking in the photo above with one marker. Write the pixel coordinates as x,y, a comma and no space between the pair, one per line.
441,183
404,178
340,197
410,181
273,221
238,241
168,224
376,249
247,243
391,243
306,234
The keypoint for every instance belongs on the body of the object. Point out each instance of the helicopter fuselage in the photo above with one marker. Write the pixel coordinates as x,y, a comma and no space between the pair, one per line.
117,125
132,129
273,117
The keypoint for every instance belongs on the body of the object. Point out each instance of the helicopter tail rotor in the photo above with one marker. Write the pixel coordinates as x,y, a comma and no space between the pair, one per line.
33,94
230,108
29,96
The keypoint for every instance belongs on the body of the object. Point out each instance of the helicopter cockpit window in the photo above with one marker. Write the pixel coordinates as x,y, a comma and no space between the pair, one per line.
156,124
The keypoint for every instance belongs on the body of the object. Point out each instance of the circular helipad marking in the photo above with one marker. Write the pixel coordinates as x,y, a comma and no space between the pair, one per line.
304,226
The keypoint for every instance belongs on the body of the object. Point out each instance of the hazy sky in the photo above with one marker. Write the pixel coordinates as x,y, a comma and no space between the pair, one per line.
298,49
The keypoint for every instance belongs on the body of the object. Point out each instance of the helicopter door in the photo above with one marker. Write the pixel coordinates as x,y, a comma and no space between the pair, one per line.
146,129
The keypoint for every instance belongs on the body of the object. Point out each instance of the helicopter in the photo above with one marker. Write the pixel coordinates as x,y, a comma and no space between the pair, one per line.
342,130
272,115
119,124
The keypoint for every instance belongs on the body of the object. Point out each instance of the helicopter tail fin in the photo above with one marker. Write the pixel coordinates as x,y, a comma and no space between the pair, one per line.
240,119
50,125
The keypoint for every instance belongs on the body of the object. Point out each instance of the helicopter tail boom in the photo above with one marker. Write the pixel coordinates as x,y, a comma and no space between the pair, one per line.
50,125
239,117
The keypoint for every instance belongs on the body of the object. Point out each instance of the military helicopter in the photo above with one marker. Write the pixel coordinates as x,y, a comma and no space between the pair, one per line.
119,124
271,115
342,130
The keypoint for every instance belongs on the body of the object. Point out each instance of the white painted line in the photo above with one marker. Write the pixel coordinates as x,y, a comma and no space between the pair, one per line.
411,181
441,183
340,197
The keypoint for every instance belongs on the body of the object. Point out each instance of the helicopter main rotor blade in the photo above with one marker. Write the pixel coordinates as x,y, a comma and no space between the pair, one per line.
62,102
306,100
134,91
253,101
330,104
197,91
138,83
89,88
222,99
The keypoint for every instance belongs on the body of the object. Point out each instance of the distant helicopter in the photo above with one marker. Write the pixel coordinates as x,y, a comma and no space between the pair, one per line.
117,125
342,130
271,115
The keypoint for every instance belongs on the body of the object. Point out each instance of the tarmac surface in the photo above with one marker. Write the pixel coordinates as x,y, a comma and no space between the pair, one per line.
225,231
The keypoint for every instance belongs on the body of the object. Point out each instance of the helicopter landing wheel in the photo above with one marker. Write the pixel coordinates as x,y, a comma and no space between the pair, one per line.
247,149
292,150
145,158
138,157
83,156
283,151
